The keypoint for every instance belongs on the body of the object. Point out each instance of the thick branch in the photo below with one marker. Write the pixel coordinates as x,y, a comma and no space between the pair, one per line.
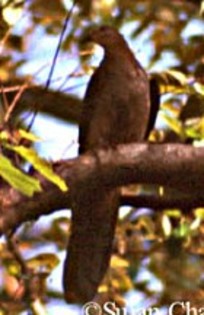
58,104
173,165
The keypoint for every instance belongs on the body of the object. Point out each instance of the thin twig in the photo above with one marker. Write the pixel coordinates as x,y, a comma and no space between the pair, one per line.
59,45
5,101
14,103
54,59
4,39
10,89
29,280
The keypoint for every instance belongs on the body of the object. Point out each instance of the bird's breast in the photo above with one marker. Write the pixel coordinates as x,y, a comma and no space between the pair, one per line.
121,108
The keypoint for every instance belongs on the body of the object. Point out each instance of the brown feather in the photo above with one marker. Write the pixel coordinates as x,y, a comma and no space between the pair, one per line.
116,110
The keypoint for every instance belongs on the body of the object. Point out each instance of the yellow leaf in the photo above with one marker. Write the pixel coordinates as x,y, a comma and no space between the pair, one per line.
12,12
41,165
47,261
118,262
17,179
28,135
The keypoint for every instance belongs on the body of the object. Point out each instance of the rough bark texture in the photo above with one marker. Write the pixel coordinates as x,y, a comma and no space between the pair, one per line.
168,165
116,110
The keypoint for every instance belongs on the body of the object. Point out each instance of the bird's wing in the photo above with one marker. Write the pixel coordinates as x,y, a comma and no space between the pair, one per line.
154,105
88,110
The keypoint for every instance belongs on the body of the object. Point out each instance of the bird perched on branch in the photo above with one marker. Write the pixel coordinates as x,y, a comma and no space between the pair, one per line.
116,110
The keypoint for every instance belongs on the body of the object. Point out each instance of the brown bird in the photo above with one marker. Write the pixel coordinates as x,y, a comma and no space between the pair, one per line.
116,110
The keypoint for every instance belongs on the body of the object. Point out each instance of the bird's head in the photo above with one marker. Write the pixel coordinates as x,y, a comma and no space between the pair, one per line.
105,36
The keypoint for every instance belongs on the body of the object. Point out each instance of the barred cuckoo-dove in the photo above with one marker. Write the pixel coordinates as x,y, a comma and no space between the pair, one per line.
116,110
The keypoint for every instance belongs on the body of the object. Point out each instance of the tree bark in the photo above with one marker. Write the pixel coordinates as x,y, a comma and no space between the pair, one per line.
171,165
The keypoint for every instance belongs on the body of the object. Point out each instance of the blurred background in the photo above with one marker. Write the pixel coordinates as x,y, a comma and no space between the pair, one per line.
158,253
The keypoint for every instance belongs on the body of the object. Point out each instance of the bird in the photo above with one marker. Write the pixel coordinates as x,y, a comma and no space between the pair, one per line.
116,110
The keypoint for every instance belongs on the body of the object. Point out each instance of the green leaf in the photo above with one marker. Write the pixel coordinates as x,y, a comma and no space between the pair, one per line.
195,224
172,81
173,213
38,307
17,179
174,124
199,212
178,76
166,225
46,261
40,165
202,8
183,230
28,135
196,129
199,88
4,136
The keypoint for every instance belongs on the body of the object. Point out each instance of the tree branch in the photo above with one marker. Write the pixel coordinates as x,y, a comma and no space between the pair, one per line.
171,165
58,104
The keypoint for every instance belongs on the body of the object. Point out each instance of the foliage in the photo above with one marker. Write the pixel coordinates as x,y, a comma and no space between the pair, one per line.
158,255
18,179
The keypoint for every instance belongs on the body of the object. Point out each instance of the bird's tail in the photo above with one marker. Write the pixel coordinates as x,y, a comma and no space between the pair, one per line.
90,246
